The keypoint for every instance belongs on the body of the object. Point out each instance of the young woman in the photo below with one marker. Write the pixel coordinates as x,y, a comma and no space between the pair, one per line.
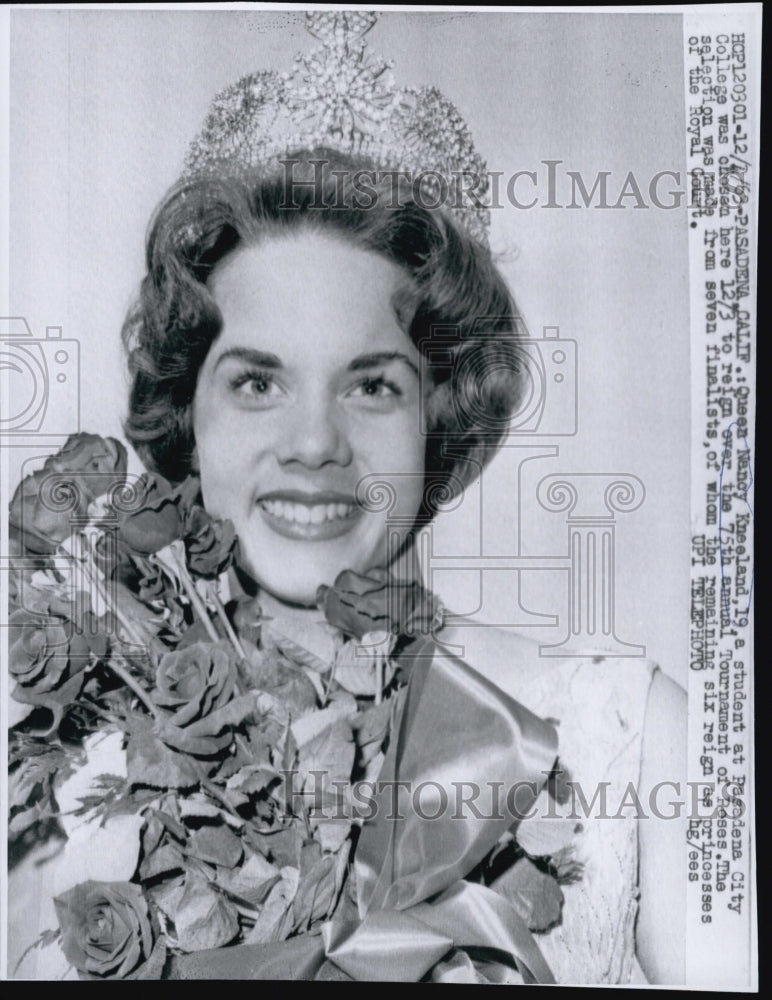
281,354
331,350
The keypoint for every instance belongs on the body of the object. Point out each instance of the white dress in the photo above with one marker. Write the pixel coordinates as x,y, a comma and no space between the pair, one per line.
599,705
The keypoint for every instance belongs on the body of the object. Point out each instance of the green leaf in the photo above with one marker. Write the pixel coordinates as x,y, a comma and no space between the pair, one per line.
321,879
372,725
357,664
106,791
151,762
310,726
37,759
275,920
282,847
312,644
23,818
535,895
218,845
204,918
171,823
252,881
331,833
331,755
197,806
30,788
162,861
167,895
152,835
371,728
252,778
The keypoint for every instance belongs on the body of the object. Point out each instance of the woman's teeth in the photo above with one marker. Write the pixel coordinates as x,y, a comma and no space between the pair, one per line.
301,513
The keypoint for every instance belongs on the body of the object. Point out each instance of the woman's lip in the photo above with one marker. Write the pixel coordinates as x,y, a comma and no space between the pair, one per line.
311,499
330,527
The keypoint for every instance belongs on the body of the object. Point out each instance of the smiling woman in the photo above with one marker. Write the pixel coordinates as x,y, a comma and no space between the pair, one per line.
316,388
280,352
323,353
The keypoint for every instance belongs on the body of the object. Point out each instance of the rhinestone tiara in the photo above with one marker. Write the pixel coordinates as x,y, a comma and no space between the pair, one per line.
343,97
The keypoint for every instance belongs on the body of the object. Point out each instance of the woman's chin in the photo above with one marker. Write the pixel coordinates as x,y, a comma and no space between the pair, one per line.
293,589
292,572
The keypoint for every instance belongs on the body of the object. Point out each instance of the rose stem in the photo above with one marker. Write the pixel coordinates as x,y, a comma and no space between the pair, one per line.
378,678
92,574
229,630
111,664
126,624
129,681
198,605
328,686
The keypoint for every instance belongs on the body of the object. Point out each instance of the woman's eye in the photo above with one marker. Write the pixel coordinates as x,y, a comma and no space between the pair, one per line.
256,384
375,388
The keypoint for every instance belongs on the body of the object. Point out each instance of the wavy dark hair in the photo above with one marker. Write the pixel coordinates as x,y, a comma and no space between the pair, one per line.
464,320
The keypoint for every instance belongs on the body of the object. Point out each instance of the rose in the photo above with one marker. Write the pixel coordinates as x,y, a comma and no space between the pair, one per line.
159,520
378,602
169,513
194,681
95,464
47,658
42,524
208,543
109,932
192,684
85,468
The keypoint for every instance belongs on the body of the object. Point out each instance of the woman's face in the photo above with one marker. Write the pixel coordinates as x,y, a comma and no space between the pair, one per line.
311,385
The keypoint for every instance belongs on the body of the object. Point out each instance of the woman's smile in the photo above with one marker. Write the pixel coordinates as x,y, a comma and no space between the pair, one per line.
312,386
310,516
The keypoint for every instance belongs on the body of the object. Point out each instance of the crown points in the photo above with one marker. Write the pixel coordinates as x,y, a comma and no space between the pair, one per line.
341,95
339,27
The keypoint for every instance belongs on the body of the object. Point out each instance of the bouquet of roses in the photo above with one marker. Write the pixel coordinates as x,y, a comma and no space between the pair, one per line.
201,758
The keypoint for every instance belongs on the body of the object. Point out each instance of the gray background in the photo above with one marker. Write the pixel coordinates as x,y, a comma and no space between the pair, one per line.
103,104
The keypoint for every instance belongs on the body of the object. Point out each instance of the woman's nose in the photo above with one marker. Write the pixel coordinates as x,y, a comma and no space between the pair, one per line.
313,433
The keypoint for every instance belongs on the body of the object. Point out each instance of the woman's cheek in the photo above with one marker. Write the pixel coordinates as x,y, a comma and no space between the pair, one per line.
223,465
396,458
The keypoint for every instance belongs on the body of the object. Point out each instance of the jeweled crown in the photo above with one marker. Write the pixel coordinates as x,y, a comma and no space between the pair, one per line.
343,97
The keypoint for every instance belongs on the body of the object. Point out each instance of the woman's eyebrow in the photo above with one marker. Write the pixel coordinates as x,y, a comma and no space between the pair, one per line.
260,359
378,358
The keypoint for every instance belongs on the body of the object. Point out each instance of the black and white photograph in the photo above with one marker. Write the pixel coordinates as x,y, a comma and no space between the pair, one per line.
377,415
